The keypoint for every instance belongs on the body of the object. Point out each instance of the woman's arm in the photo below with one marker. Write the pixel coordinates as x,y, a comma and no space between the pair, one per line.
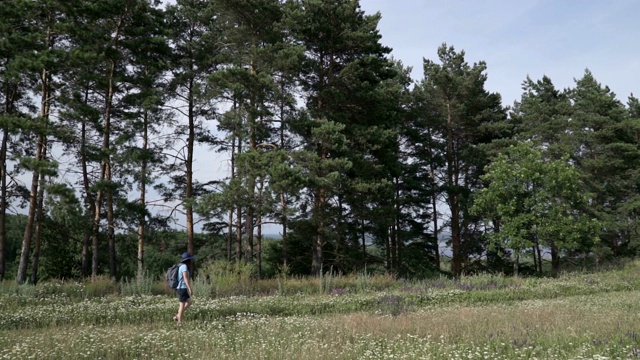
185,277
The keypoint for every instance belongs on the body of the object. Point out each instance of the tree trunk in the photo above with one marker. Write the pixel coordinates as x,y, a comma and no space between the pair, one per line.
283,197
239,233
89,199
141,238
248,252
35,179
319,200
38,232
143,194
396,227
189,170
230,223
105,171
434,204
28,231
111,228
317,255
259,234
239,219
363,237
3,198
394,248
539,253
284,230
454,205
555,259
251,179
84,261
388,252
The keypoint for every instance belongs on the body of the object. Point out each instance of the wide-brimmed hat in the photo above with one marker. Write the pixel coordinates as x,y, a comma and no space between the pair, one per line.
187,256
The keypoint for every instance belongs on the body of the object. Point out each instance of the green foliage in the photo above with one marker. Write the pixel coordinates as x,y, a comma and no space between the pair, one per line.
459,119
328,137
418,260
535,200
605,149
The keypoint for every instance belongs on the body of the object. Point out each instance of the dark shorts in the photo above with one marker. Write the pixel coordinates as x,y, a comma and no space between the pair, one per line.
183,295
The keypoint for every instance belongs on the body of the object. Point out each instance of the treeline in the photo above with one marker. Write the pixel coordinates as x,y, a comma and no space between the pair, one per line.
104,105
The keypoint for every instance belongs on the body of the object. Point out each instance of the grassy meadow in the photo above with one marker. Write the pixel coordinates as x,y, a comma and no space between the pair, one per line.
573,316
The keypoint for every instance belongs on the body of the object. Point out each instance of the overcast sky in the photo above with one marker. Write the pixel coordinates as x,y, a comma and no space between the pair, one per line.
516,38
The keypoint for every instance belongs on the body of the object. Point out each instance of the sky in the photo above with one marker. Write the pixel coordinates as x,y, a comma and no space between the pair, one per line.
516,38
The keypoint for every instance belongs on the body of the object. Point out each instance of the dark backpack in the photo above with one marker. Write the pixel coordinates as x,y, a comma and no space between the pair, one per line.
171,278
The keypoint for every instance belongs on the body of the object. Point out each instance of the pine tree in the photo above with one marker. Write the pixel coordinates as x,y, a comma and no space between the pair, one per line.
102,77
196,42
46,43
543,118
342,82
462,114
15,82
254,41
144,115
605,149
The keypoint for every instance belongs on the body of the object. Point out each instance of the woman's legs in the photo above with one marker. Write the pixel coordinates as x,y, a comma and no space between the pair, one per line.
185,302
182,308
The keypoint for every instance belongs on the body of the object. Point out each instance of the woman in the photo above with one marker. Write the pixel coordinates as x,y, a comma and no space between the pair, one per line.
184,285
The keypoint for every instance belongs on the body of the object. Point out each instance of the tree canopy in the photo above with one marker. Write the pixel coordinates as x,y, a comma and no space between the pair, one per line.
334,158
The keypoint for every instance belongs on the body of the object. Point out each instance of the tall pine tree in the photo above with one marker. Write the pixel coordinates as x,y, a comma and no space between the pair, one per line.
461,113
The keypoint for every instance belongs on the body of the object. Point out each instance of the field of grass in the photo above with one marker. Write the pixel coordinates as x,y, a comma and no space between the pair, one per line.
575,316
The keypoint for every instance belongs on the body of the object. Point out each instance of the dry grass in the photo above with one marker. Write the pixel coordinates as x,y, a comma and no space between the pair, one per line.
595,317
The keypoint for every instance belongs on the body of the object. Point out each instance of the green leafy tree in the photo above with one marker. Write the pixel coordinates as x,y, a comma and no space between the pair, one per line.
103,79
542,118
321,175
631,207
536,200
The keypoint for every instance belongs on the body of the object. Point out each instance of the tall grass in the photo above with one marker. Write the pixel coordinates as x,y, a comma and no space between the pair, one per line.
146,284
584,315
222,279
